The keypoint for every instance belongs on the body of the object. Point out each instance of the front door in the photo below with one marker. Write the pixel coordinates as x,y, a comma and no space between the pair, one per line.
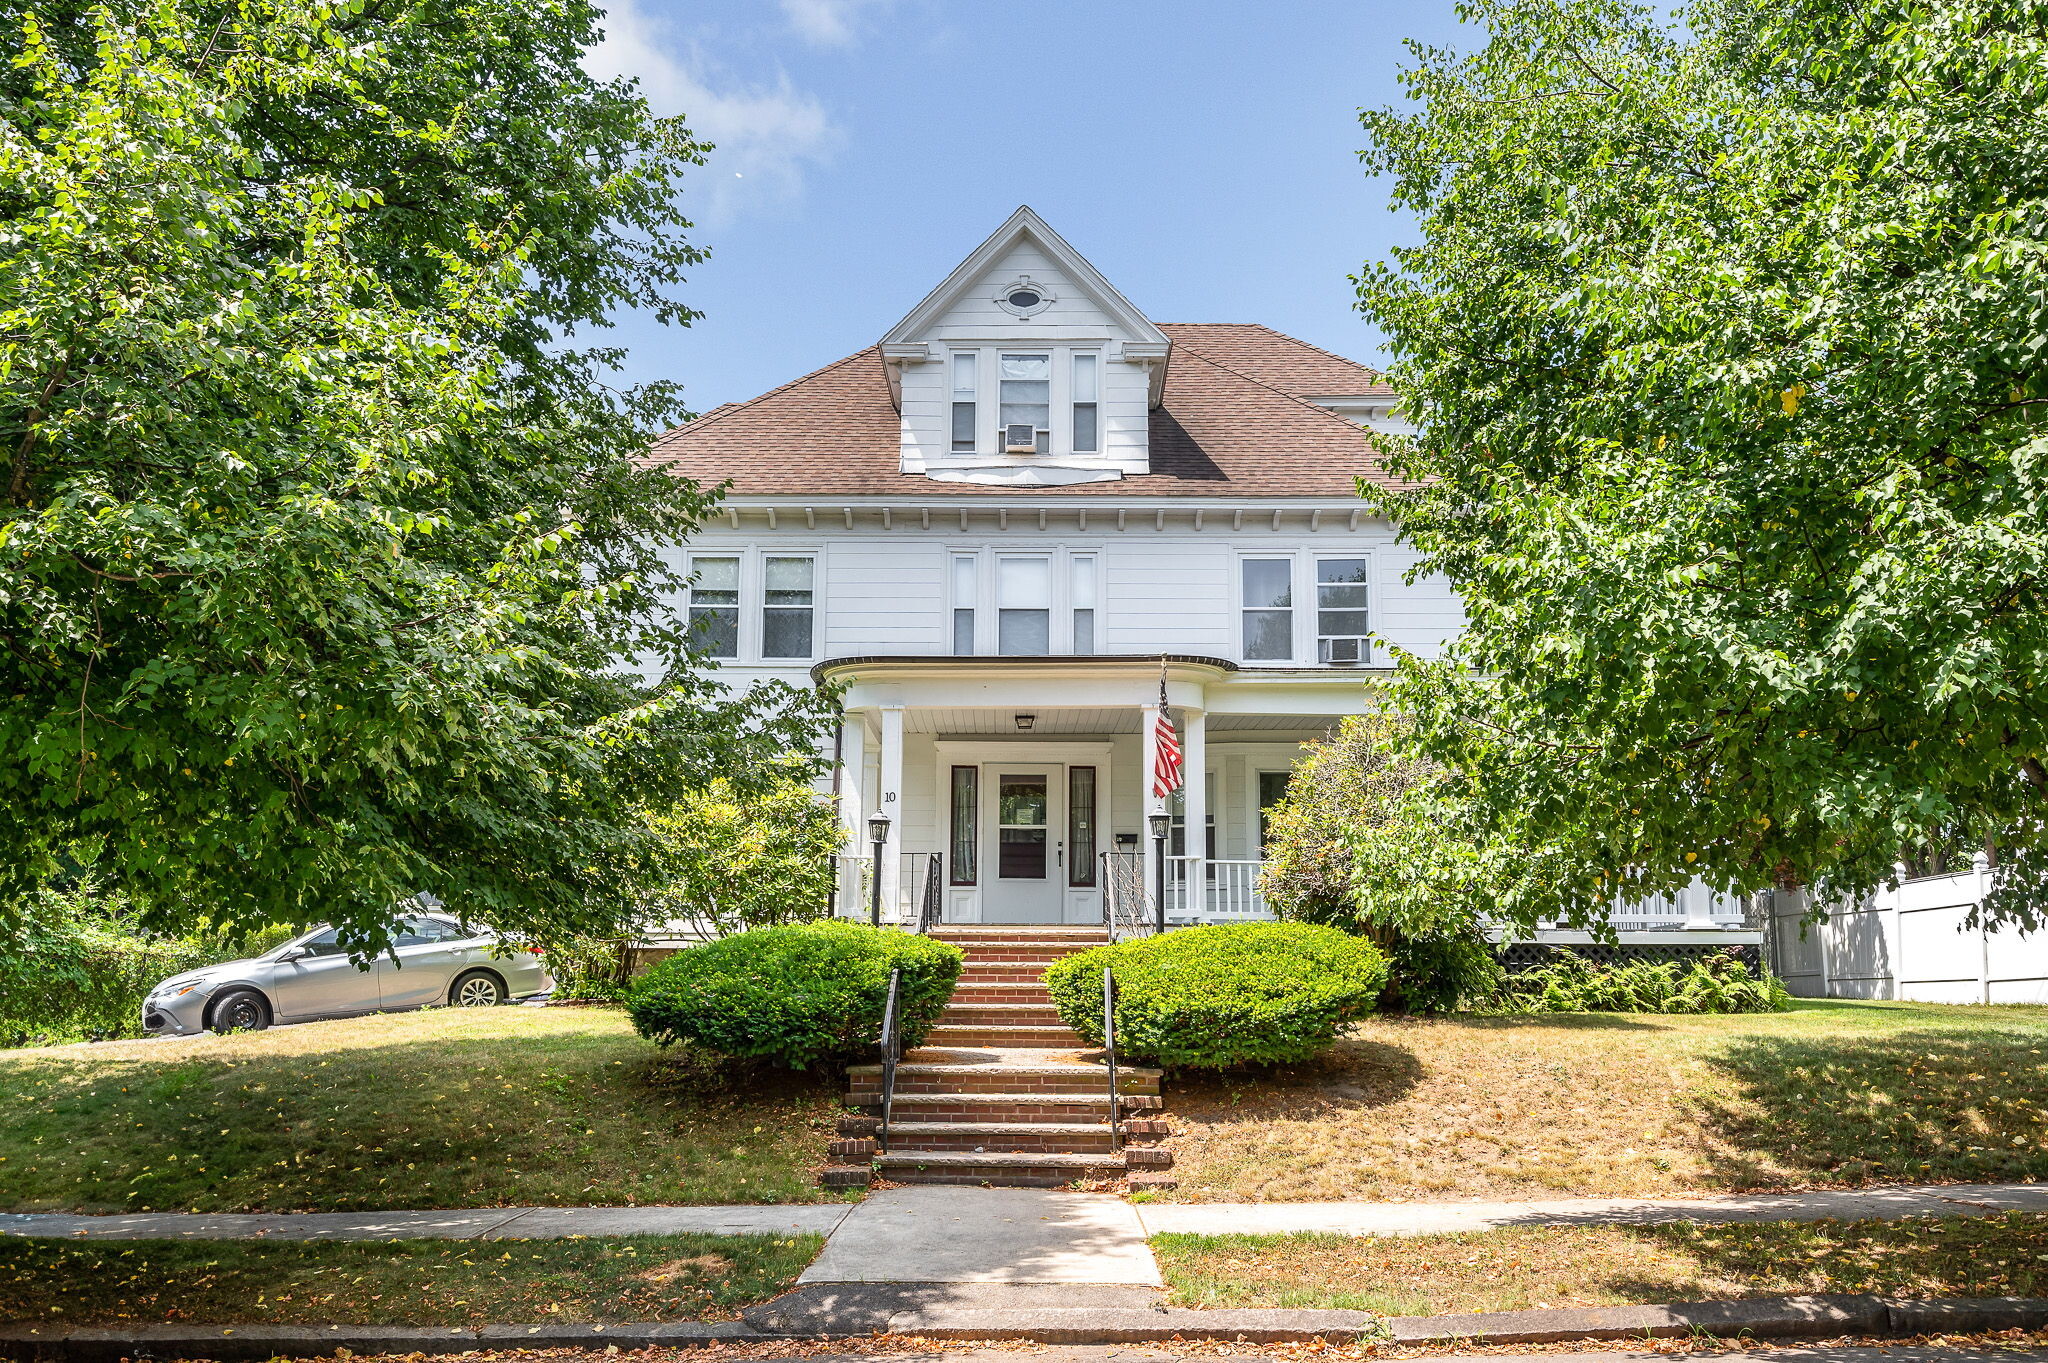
1023,845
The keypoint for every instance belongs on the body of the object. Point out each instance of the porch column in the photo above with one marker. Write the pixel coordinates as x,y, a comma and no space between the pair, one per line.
1148,756
1194,742
1699,907
890,801
853,762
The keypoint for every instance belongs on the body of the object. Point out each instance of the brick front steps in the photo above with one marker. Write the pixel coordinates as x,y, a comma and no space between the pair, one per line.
1003,1093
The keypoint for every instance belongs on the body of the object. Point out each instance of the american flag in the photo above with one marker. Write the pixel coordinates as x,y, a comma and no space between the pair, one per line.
1166,755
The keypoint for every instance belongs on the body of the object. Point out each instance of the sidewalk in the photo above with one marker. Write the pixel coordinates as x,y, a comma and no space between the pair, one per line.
907,1234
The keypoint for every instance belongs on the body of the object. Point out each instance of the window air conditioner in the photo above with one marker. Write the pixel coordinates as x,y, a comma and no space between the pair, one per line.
1020,438
1344,650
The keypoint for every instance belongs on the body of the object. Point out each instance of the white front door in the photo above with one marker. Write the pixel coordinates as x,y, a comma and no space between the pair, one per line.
1023,842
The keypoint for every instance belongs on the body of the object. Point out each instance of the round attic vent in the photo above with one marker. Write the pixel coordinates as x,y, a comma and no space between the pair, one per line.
1023,297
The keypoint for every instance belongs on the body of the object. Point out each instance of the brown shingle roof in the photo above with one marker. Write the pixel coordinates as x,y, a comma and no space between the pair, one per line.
1231,422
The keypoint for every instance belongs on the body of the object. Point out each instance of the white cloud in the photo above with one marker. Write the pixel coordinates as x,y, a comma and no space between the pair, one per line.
766,134
828,23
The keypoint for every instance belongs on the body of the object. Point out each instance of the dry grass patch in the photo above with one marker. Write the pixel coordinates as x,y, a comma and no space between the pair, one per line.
1512,1270
443,1108
1833,1093
397,1282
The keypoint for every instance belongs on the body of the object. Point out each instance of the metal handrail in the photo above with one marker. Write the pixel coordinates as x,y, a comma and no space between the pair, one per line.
1116,1100
931,901
892,1047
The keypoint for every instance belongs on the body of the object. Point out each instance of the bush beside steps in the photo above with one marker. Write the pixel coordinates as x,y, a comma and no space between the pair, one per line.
1212,997
798,996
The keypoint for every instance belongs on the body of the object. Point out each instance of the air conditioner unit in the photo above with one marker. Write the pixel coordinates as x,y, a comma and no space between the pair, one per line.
1355,650
1020,438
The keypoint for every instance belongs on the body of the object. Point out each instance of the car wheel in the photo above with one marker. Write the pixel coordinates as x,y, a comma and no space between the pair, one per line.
240,1010
477,989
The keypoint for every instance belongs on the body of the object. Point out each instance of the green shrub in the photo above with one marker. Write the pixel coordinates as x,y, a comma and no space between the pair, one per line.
1205,998
74,967
753,859
797,995
586,968
1715,983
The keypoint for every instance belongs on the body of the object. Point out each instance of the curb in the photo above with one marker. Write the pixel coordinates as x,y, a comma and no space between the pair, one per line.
1775,1317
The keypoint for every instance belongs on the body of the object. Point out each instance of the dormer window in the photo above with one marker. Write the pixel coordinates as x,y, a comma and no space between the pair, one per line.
1024,401
964,362
1025,298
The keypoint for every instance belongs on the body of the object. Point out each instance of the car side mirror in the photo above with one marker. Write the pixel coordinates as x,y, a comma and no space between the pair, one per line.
293,954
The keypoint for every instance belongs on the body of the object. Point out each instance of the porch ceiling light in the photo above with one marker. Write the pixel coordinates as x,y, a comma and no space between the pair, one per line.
878,827
1162,824
1024,723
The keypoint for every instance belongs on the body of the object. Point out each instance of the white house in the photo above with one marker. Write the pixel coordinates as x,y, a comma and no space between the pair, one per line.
993,525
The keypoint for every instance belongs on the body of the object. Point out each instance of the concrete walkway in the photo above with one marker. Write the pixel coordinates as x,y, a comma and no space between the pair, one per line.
1439,1218
1022,1236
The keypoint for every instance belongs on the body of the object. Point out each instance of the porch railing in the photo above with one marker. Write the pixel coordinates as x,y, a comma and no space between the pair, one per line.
1126,908
919,902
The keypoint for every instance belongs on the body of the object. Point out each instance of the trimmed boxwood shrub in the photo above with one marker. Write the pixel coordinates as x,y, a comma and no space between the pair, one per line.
1205,998
796,995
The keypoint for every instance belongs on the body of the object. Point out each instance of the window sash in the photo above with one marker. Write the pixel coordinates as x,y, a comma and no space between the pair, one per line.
1081,826
713,612
1081,601
788,601
964,578
965,831
1086,435
1024,394
1341,598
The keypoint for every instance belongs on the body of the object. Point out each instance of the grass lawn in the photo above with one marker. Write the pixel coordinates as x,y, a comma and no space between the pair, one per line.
1510,1270
1830,1094
397,1282
443,1108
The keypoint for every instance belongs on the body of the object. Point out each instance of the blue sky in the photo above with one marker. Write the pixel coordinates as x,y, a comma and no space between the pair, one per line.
1201,153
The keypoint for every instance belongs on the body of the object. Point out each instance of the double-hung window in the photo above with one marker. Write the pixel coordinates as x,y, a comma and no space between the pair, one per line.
964,414
1023,605
964,580
1087,434
715,604
1081,600
1024,401
788,606
1341,621
1268,609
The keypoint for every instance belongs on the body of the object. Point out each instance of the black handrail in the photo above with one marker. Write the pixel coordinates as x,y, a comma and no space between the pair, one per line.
1116,1100
892,1046
930,901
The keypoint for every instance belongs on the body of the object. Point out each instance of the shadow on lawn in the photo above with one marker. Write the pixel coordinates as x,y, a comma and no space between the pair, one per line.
1908,1106
1351,1074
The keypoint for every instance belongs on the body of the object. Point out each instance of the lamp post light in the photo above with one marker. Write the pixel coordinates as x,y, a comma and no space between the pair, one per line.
1161,823
878,834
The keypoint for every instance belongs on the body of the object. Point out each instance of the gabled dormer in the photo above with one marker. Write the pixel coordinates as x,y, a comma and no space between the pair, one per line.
1025,368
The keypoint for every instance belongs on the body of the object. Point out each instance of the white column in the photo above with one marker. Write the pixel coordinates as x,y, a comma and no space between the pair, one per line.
853,761
1699,907
1194,742
890,799
1148,756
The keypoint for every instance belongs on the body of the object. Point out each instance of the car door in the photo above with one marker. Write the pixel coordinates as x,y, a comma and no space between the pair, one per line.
320,981
424,960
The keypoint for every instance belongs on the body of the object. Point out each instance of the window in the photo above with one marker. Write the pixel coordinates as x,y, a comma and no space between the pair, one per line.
1268,609
715,605
964,363
1024,396
1272,790
1081,597
1024,605
787,603
1081,825
1340,609
963,605
1177,831
419,932
327,943
1022,805
965,806
1087,438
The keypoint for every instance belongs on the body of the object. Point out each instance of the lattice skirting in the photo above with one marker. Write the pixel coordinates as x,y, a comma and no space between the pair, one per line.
1523,956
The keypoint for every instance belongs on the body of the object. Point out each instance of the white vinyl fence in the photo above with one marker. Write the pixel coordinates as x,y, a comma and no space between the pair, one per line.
1910,943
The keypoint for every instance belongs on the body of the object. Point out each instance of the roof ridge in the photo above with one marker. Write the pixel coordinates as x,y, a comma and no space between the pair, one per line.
724,410
1379,374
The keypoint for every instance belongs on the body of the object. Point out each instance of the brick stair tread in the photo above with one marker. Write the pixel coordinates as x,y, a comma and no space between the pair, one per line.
1027,1067
1001,1159
1001,1030
986,1099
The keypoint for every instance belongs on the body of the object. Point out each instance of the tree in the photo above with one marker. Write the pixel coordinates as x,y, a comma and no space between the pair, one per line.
1360,842
1726,337
739,860
330,573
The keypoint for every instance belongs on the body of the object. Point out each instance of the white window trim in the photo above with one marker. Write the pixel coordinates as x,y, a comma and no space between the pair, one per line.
1306,635
988,401
987,628
758,600
754,596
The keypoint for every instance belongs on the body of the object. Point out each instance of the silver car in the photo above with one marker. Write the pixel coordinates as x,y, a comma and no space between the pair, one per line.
435,958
